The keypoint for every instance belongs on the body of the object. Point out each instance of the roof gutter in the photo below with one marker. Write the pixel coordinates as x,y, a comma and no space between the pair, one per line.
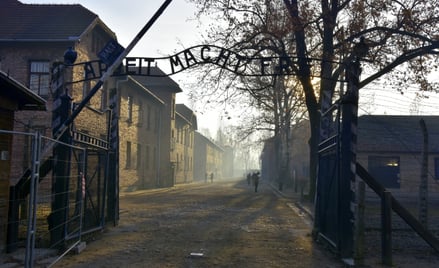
40,103
70,39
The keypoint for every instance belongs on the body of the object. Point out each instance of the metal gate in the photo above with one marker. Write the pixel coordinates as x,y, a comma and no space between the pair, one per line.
335,191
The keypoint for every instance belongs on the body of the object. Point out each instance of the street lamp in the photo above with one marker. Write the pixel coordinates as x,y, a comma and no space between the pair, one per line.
70,56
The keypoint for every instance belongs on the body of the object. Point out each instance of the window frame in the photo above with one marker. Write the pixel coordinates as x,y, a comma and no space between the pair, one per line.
38,84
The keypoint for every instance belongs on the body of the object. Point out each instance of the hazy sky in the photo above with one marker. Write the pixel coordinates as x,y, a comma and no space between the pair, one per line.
126,18
177,28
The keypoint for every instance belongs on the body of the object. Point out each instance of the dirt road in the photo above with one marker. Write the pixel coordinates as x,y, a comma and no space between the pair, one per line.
220,224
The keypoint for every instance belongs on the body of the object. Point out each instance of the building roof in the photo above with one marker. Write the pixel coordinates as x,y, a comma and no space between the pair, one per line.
203,139
187,114
24,97
38,22
146,91
159,81
396,133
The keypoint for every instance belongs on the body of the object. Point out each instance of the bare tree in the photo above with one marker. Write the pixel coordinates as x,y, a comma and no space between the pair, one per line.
256,29
399,37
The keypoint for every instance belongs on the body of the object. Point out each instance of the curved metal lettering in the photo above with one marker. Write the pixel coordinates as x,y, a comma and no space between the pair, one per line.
202,54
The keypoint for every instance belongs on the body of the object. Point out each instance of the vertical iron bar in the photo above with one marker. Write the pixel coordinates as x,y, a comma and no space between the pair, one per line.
386,228
31,227
359,224
347,176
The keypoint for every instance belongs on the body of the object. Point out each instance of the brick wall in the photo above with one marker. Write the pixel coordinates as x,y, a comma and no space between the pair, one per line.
144,133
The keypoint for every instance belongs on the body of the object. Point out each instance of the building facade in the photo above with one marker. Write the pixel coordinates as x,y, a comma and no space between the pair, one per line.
165,89
388,146
208,159
33,38
139,124
33,42
185,126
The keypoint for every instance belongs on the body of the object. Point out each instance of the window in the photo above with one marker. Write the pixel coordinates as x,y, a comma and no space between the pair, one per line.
178,164
97,43
154,158
385,169
148,117
104,99
173,108
140,114
39,77
128,156
147,156
436,168
157,120
139,157
86,87
130,109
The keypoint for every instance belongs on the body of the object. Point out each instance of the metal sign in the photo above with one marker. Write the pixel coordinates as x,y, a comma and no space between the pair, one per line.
110,52
197,55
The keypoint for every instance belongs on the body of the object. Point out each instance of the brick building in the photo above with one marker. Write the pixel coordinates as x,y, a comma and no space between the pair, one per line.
165,89
33,40
35,37
208,158
140,118
185,126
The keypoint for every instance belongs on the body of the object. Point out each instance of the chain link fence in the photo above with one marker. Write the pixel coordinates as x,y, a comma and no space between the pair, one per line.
38,220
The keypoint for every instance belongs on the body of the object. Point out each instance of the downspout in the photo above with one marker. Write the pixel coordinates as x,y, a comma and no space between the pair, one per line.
158,154
117,115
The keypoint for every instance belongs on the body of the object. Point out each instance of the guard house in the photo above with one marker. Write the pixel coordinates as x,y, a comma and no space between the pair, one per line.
14,96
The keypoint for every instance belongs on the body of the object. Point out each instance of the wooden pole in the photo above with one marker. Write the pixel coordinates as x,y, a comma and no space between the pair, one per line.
386,228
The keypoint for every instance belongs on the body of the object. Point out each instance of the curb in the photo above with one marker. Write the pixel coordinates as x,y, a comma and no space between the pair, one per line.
305,209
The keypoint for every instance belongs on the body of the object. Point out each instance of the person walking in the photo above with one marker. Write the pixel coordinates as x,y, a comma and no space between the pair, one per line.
211,177
256,180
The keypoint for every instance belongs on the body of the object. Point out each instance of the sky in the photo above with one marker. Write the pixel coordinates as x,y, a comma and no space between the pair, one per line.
176,29
126,18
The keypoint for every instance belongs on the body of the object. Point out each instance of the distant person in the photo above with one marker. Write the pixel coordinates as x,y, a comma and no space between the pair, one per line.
256,180
249,178
211,177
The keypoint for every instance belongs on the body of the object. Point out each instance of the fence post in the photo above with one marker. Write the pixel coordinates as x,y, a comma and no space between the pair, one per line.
348,160
386,228
60,184
359,224
423,186
31,228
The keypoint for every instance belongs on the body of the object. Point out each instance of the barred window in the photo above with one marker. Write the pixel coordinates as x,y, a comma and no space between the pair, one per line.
436,168
385,169
130,109
128,156
39,77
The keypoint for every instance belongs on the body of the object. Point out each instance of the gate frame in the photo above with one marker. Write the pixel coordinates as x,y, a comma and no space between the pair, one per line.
342,146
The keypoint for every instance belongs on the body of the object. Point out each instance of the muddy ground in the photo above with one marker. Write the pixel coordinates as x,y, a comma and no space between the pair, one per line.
223,224
220,224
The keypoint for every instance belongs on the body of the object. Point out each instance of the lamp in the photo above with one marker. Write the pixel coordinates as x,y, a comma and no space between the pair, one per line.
70,56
